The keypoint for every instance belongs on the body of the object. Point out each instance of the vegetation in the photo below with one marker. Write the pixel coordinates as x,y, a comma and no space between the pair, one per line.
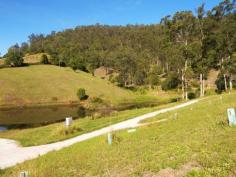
1,62
14,56
171,82
44,59
41,84
81,94
34,58
198,135
58,131
187,44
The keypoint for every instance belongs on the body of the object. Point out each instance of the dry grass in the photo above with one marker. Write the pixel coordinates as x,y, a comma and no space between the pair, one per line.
39,84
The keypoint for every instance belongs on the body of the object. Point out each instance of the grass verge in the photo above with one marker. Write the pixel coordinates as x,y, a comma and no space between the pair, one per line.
57,131
200,134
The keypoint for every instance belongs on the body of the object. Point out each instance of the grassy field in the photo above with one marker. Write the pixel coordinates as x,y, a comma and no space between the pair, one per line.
48,84
57,131
199,137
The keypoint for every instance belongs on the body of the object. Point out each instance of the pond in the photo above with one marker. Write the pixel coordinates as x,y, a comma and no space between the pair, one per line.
20,117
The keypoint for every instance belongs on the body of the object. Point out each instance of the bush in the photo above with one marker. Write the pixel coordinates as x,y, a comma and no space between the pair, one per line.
81,94
96,100
191,95
81,111
142,90
171,82
14,57
44,59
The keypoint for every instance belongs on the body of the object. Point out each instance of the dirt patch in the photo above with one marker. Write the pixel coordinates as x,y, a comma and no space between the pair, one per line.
169,172
212,77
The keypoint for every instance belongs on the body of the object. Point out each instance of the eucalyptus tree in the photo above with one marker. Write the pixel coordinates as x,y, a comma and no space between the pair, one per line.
14,56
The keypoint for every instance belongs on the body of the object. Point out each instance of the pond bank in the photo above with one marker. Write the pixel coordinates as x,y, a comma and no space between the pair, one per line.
28,116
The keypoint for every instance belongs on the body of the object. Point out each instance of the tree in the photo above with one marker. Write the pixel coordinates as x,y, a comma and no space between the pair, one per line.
14,56
153,77
187,44
81,94
24,48
228,71
44,59
171,82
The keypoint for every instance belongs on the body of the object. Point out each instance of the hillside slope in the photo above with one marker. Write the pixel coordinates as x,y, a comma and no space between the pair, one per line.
198,142
47,84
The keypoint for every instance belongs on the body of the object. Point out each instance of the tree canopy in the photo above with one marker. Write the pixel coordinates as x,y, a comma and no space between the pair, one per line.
181,43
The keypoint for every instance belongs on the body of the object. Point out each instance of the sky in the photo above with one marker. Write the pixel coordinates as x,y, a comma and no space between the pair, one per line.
20,18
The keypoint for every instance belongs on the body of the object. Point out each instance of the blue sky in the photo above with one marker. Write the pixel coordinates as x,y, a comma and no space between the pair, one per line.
20,18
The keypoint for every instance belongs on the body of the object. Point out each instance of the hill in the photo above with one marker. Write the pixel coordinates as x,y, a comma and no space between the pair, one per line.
1,62
43,84
33,58
198,142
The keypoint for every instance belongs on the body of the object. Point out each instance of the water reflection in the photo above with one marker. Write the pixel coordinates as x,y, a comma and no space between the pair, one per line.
40,115
2,128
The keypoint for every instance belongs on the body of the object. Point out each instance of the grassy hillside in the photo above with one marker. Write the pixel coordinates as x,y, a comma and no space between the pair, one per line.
1,62
198,143
47,84
33,58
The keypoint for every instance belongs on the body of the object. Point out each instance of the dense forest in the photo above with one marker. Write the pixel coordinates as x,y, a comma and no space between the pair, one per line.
184,46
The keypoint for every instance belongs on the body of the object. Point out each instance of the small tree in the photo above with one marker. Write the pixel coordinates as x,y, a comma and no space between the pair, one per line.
221,83
44,59
14,56
171,82
81,94
153,77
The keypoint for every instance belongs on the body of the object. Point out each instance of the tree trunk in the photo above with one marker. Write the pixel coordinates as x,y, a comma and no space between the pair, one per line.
167,67
182,80
230,83
186,89
226,87
201,88
186,81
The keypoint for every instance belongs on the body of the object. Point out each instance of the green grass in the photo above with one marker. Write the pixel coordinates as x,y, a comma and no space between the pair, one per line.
44,84
200,135
57,131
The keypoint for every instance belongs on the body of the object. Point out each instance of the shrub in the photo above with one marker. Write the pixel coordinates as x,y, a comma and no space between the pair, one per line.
171,82
69,130
142,90
14,57
81,111
96,100
44,59
81,94
191,95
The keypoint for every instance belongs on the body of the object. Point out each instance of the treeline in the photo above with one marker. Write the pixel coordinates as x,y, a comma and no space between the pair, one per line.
183,46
